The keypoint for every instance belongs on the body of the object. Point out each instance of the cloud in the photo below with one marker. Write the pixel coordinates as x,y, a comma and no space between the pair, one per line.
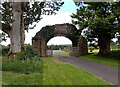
59,18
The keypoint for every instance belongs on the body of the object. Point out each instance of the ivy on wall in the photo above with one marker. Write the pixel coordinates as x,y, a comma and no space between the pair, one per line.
48,32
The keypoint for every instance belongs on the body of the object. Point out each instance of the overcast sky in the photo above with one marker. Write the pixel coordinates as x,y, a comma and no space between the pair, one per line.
63,16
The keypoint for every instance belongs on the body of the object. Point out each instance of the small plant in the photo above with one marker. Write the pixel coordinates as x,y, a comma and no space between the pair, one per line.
25,62
29,53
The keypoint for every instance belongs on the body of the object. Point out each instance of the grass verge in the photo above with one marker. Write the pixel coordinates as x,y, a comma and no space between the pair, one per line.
11,78
22,72
111,59
24,68
101,59
56,72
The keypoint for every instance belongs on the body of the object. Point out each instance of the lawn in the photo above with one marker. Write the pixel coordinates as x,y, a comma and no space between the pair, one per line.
22,72
111,59
11,78
108,60
55,72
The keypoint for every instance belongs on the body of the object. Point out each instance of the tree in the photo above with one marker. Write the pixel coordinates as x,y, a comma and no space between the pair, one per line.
102,21
118,37
17,16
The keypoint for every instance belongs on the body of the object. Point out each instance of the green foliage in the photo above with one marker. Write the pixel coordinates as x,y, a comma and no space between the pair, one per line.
32,11
3,37
17,79
92,46
58,72
57,47
114,46
5,50
111,59
98,17
23,66
48,32
29,53
25,62
7,13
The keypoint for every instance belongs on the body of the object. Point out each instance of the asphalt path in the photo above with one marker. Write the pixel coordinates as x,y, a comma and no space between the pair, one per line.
105,72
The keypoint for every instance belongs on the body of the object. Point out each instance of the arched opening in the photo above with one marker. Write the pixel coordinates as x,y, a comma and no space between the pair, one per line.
59,40
58,43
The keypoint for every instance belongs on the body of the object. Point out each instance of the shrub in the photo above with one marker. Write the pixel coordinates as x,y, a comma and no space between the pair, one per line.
115,54
21,66
25,62
29,53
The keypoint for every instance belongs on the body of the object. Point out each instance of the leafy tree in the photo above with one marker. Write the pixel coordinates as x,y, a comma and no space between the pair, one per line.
17,16
102,21
118,37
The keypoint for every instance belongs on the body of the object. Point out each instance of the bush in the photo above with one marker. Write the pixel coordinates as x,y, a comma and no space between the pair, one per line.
26,67
29,53
5,50
115,54
25,62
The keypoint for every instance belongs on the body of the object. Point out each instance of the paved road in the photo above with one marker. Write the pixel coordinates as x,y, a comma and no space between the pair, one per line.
105,72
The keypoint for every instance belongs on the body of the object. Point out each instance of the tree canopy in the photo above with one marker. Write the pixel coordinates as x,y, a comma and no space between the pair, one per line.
17,16
31,12
102,20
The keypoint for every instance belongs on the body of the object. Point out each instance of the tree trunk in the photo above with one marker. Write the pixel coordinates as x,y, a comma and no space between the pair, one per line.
104,44
17,35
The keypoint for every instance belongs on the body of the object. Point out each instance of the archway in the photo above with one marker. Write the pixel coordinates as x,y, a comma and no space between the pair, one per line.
58,44
39,41
59,40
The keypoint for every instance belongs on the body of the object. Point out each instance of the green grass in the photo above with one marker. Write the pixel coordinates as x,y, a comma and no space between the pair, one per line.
23,66
22,72
10,78
57,72
63,52
107,60
111,59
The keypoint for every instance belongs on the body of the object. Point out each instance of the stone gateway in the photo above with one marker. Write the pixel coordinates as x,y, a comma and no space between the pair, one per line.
39,41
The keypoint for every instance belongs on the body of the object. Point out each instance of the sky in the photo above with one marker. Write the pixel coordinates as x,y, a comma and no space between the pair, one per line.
62,16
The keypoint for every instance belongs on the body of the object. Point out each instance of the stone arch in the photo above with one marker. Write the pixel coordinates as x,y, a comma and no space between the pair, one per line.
39,41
